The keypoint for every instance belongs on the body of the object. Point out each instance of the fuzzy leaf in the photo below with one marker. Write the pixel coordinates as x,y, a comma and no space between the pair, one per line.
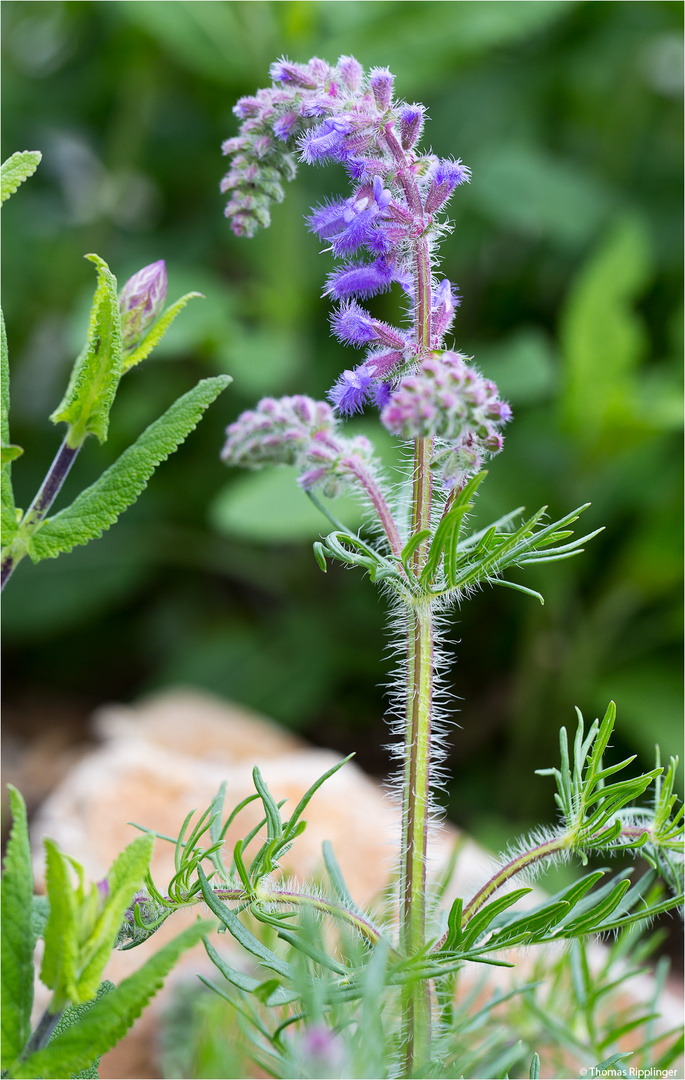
60,959
73,1015
99,506
18,939
108,1020
97,371
124,879
9,516
157,332
16,169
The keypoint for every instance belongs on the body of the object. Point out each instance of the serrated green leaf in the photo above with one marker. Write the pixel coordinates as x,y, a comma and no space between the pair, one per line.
107,1021
124,879
97,371
60,959
10,525
73,1015
18,939
157,332
16,169
99,506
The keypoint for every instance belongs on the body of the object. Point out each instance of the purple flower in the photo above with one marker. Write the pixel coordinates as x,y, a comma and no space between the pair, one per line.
445,177
445,302
359,279
284,71
380,81
354,325
141,302
411,123
325,141
284,125
351,72
351,391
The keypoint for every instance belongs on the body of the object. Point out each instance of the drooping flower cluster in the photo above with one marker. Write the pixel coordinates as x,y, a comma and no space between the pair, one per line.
299,431
448,400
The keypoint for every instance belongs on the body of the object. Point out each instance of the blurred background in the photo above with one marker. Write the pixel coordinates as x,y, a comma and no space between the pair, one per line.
567,250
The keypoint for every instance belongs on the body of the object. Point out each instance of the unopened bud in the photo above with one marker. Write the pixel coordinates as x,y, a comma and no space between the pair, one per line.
141,302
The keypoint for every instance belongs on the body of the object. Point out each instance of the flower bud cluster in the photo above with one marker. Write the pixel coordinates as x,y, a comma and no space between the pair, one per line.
150,913
302,432
449,400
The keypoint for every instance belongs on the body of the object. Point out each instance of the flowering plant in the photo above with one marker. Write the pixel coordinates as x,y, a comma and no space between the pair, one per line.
378,999
451,419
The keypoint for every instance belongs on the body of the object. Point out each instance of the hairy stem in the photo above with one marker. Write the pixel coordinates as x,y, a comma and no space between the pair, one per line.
420,678
48,492
534,855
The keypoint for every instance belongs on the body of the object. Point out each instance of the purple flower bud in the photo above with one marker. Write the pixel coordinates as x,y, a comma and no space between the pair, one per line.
382,394
445,302
284,125
380,81
351,72
351,391
284,71
141,302
445,177
103,889
411,123
380,363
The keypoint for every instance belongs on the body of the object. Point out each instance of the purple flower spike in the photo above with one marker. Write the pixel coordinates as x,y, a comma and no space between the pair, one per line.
380,81
141,302
351,391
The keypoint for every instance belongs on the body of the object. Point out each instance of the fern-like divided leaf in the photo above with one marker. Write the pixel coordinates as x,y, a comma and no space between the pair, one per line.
99,506
16,169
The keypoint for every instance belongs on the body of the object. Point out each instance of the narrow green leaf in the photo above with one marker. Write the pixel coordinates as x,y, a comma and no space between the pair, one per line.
157,332
97,371
482,919
317,955
320,556
518,588
534,1071
60,959
336,878
99,506
302,804
454,935
109,1019
18,939
411,545
242,935
273,817
250,985
16,169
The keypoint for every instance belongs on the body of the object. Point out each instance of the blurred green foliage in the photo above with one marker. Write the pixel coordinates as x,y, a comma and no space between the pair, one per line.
567,251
